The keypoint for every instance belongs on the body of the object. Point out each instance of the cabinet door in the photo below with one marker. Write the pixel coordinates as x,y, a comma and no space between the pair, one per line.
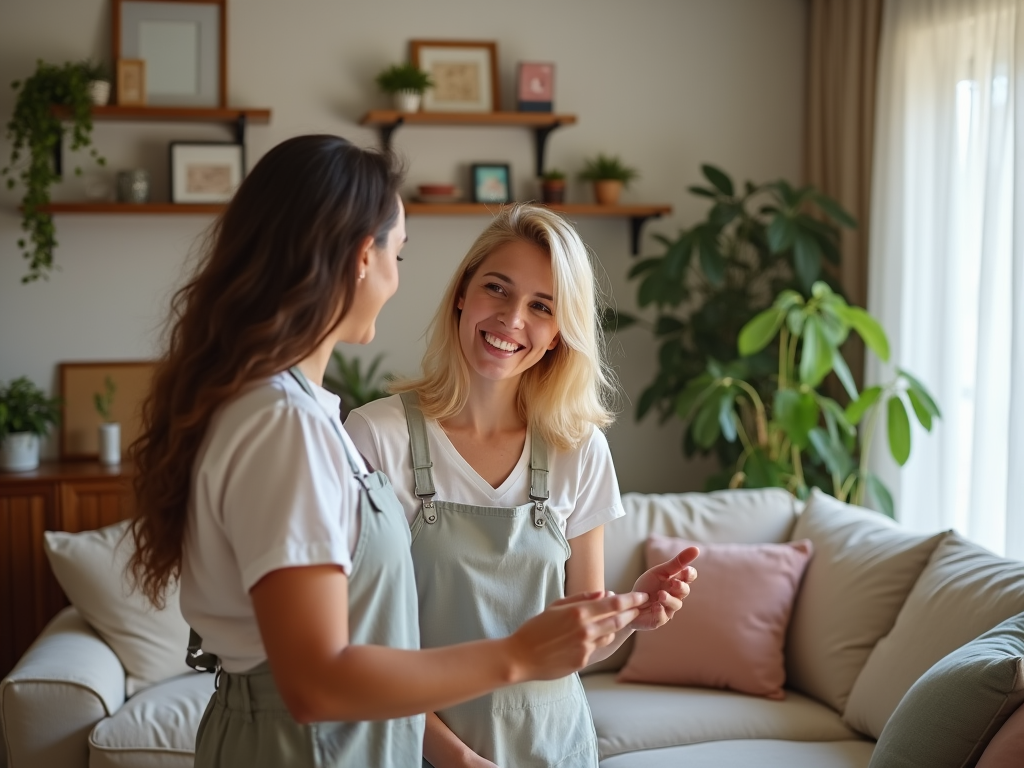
27,598
89,504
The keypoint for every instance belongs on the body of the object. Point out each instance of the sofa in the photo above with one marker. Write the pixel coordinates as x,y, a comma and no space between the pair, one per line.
875,610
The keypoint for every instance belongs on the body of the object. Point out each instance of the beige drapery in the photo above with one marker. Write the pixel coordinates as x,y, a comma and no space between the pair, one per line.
840,121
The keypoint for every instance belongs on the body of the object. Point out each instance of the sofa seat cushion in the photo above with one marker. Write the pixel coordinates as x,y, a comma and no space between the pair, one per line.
630,717
764,753
155,727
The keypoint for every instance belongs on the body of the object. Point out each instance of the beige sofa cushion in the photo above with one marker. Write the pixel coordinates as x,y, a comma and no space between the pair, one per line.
763,753
629,716
743,516
964,590
863,568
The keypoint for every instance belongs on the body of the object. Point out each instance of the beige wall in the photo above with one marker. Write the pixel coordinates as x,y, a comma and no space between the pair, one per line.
666,84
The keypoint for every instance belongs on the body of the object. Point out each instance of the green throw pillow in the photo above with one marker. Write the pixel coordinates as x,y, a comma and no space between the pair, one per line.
950,714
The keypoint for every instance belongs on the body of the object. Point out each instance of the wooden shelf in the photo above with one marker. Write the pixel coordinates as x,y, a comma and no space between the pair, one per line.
175,114
542,123
637,214
134,208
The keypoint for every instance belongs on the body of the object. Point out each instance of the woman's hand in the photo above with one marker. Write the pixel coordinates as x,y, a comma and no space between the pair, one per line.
560,640
667,585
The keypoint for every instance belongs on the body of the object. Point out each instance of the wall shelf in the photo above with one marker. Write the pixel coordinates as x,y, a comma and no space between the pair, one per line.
542,123
134,208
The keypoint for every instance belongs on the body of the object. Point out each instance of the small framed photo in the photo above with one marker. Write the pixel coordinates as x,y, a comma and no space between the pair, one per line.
131,81
491,183
535,87
465,74
205,172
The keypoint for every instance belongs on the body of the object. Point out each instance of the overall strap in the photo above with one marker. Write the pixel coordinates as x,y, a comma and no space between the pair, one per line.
539,492
421,463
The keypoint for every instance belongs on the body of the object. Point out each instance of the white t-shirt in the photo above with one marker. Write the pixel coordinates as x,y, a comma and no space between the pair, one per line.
271,488
582,482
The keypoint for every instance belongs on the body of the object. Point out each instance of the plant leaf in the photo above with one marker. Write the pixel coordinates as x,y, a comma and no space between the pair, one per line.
727,416
881,496
920,410
717,177
922,392
816,355
806,258
869,330
702,191
761,471
899,430
855,411
843,373
645,265
797,413
758,333
832,452
693,394
706,428
667,324
711,261
834,210
781,234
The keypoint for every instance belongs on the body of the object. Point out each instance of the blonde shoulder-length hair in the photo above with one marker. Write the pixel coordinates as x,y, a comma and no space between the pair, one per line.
569,391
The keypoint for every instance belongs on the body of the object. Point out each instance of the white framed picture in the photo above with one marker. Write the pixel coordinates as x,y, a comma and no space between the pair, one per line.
205,172
465,74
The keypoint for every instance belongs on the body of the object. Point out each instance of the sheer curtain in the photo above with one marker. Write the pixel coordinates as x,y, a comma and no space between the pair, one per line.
947,258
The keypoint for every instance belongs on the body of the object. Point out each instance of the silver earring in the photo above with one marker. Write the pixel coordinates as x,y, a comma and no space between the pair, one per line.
362,275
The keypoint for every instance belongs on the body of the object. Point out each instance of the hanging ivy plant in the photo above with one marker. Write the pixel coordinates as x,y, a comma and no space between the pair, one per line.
36,132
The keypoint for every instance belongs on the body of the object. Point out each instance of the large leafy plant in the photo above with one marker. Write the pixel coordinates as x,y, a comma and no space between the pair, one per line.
800,437
24,407
718,274
352,384
36,131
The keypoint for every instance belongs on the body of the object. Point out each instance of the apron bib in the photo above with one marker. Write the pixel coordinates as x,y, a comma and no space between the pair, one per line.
480,573
246,722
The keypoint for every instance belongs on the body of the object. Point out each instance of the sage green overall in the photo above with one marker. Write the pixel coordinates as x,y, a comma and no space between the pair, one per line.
247,724
480,573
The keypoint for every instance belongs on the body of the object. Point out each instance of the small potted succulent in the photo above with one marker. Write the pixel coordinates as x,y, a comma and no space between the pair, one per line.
110,430
98,79
552,186
609,177
406,83
26,414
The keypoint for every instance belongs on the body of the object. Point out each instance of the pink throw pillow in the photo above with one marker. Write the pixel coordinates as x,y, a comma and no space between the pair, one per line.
731,630
1006,750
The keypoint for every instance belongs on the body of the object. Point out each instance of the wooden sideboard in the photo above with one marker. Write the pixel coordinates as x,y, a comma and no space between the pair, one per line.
58,496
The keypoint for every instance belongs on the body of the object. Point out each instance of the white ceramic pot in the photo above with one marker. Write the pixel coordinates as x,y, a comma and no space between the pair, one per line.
19,452
99,92
408,101
110,443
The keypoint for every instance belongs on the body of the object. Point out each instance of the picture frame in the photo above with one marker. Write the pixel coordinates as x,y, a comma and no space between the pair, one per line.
131,82
535,86
465,74
205,171
79,423
491,183
184,45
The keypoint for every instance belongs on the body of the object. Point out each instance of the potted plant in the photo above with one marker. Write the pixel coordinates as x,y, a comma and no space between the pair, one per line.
609,177
36,132
26,414
110,430
406,83
552,186
98,79
354,386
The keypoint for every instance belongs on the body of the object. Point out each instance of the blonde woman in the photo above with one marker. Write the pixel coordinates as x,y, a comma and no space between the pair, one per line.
498,458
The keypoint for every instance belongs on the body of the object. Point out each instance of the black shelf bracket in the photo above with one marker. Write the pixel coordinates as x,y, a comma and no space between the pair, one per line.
240,125
541,135
387,130
636,224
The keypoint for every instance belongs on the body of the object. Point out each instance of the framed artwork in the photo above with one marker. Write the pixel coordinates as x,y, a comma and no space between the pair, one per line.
79,420
535,87
465,74
183,43
205,172
491,183
131,81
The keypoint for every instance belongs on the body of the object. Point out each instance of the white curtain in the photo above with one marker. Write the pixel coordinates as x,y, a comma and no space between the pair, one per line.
947,258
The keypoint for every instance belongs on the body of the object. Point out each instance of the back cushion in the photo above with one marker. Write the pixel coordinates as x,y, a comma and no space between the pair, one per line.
964,590
741,516
864,567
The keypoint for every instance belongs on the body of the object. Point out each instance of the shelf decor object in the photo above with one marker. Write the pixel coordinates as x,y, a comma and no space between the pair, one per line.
535,88
464,73
131,82
490,183
183,44
205,172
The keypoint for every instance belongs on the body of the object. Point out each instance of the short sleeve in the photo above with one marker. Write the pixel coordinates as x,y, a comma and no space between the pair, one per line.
359,429
289,497
598,500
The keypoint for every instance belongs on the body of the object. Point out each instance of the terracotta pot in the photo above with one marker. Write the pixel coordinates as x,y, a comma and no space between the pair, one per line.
607,191
552,191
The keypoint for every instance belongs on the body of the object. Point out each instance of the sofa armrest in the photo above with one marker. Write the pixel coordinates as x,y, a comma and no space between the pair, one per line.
67,681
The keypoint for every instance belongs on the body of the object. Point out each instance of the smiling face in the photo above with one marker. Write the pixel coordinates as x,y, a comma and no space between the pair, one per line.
508,321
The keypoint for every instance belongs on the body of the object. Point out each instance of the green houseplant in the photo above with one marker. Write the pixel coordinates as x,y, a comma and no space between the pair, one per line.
609,176
109,430
26,414
35,133
552,186
352,384
98,80
800,437
716,275
407,83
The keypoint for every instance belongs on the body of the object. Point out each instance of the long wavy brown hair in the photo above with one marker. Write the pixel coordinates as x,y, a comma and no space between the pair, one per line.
277,275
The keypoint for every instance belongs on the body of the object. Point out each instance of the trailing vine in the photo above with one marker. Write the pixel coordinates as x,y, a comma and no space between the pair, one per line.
36,132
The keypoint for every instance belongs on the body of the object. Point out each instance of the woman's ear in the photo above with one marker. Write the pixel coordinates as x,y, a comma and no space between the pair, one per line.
460,303
365,256
555,341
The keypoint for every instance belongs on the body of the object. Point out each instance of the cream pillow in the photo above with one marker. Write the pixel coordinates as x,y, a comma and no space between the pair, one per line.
964,590
864,567
90,569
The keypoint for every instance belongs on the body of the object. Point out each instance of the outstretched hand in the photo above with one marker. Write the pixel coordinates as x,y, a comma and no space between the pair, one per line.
667,585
